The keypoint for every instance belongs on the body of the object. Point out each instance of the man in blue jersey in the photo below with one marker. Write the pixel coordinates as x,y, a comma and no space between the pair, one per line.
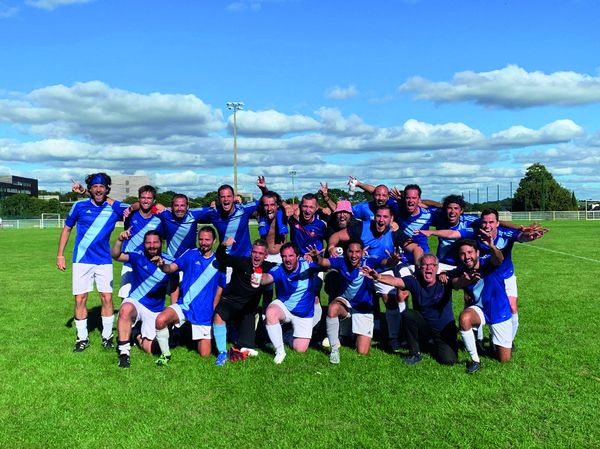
484,286
294,283
138,223
272,223
95,219
354,298
488,226
201,287
179,226
146,297
431,319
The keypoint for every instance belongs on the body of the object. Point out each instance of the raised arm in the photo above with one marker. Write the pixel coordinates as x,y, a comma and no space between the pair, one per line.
316,257
366,187
443,233
497,256
337,237
325,194
261,183
116,251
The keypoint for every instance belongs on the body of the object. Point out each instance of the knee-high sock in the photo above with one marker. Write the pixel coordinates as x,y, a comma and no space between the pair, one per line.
107,325
82,331
392,317
469,341
162,337
333,331
124,347
318,314
274,331
220,333
515,323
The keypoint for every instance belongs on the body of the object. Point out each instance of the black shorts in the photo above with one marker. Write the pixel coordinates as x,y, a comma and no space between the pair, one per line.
230,310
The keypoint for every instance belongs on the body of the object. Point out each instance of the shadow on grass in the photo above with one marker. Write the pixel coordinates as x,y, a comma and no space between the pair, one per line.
94,320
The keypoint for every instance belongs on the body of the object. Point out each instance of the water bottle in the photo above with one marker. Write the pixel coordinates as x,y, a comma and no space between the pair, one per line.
351,187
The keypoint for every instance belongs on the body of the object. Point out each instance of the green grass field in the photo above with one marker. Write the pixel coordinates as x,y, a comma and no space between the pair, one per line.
548,396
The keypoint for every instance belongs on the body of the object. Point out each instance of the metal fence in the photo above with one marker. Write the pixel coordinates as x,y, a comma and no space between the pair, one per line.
47,223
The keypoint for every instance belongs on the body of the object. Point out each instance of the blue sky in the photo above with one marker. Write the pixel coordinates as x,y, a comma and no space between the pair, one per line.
454,96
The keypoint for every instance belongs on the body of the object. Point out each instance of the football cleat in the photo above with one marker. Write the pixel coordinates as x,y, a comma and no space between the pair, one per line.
473,367
81,345
107,343
279,358
413,359
163,360
124,361
221,359
251,352
334,356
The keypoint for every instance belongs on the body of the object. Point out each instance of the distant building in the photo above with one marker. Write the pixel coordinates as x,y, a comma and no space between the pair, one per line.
125,186
11,185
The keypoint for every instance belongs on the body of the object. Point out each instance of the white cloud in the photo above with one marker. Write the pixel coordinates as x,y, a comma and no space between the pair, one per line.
271,122
509,87
105,114
50,5
334,122
557,131
7,10
341,93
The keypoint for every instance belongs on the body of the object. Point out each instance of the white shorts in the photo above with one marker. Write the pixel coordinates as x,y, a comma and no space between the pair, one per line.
510,285
85,274
228,275
445,267
502,333
302,326
275,258
198,332
146,316
362,323
399,270
125,288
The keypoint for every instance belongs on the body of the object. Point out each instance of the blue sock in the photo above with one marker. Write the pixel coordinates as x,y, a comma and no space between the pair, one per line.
220,333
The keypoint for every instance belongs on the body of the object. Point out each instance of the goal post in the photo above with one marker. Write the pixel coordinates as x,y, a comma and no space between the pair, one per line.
592,209
50,221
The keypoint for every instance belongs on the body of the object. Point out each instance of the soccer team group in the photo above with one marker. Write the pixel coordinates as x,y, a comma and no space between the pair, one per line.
353,255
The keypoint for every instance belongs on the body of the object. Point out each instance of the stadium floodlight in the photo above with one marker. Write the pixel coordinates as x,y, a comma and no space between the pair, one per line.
235,106
293,173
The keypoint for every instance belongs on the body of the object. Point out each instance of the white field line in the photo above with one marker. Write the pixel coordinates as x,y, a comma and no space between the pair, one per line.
558,252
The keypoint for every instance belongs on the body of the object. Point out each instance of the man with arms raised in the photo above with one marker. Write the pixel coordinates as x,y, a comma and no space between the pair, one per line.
272,223
294,282
431,318
95,219
201,287
146,296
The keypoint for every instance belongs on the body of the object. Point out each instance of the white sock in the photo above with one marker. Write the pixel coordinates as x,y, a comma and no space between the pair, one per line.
82,331
162,337
107,326
125,348
274,331
469,341
515,323
480,333
318,314
393,321
333,331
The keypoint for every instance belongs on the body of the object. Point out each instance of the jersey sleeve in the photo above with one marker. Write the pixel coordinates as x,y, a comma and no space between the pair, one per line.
71,219
200,214
182,260
119,208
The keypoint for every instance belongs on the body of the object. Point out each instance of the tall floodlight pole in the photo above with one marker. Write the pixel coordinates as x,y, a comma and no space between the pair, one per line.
292,173
235,106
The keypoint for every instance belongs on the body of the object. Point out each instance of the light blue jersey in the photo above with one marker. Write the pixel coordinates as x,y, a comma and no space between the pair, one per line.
139,225
408,224
355,287
232,225
94,226
305,235
296,289
148,282
377,245
201,278
446,252
181,234
489,293
366,211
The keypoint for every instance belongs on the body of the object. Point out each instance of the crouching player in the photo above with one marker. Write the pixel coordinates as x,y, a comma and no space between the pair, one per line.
294,281
201,287
146,296
354,300
483,284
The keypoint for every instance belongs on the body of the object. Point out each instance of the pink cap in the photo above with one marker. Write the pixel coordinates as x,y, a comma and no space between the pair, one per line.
343,206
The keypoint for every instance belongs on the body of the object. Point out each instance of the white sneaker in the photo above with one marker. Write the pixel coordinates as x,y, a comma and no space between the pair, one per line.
334,357
279,357
325,343
251,352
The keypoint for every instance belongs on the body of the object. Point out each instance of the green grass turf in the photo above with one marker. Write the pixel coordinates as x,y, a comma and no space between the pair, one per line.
546,397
